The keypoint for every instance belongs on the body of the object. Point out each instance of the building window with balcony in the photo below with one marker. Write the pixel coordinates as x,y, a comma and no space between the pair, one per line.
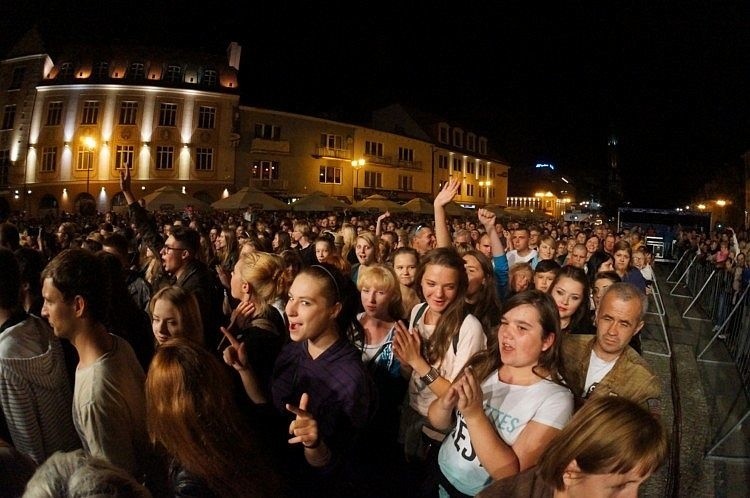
66,70
167,114
90,113
443,133
102,69
405,154
9,117
49,159
471,167
442,162
206,117
17,78
128,112
469,189
373,179
373,149
332,141
458,138
471,141
209,77
457,167
204,159
54,113
174,74
137,71
124,155
164,157
265,170
85,158
330,174
405,182
483,146
267,131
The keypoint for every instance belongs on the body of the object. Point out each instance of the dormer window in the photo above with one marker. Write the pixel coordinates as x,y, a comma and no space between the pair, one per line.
443,133
102,69
137,71
482,145
174,74
458,137
471,141
209,77
66,70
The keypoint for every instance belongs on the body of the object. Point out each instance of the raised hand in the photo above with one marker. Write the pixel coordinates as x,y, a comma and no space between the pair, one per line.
235,355
304,428
241,316
407,345
469,395
487,218
385,215
447,193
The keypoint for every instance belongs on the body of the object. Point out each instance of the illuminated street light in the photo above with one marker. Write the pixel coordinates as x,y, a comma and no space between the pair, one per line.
90,144
721,203
357,164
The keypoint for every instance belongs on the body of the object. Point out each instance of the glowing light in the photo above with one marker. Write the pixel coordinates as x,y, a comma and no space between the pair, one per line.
183,189
545,166
721,203
225,194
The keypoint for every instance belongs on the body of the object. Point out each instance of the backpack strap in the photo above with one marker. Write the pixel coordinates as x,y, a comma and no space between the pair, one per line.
419,314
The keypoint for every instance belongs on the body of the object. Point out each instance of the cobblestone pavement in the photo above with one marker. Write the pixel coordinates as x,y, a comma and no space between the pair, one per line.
703,400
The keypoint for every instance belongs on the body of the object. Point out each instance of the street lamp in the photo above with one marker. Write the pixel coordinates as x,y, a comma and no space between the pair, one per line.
90,144
357,164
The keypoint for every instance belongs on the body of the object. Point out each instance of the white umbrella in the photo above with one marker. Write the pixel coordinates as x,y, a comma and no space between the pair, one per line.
318,201
170,199
377,202
250,196
419,206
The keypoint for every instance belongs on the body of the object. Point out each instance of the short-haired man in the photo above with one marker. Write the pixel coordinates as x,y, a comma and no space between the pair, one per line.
521,252
35,393
578,256
609,243
604,364
139,290
108,396
422,239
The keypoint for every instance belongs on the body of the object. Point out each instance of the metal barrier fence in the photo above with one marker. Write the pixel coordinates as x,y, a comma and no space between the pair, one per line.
728,310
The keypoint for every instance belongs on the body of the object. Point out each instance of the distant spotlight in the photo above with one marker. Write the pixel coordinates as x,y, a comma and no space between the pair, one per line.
225,194
183,189
143,187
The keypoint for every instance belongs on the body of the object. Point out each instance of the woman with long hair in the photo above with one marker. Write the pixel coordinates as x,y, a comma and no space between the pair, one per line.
570,291
508,403
609,448
440,338
175,313
599,261
482,300
191,414
349,234
624,265
405,261
281,242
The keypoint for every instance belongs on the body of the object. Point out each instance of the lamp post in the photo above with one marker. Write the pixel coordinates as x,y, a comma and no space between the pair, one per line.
357,164
90,145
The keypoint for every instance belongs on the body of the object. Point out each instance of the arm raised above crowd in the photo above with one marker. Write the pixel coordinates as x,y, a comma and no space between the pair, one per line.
446,194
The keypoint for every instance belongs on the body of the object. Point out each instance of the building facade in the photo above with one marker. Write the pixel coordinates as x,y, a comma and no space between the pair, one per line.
69,126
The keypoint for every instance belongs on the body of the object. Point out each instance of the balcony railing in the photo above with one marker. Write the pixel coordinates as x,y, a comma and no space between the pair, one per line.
270,184
265,145
393,162
343,154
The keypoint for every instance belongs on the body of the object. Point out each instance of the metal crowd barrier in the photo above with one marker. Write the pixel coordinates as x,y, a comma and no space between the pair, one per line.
659,312
729,312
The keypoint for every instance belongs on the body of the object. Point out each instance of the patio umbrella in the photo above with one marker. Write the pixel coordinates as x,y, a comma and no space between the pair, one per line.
377,202
318,201
453,209
250,196
169,198
419,206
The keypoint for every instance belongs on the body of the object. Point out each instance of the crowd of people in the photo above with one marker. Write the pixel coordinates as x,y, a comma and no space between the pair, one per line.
239,354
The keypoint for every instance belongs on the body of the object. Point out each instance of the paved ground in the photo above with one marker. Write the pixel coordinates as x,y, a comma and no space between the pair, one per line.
703,401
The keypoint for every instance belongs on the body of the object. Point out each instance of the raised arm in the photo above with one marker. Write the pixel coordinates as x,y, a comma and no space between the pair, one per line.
379,223
446,194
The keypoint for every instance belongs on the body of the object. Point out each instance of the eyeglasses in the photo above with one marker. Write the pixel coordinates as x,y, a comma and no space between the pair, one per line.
166,248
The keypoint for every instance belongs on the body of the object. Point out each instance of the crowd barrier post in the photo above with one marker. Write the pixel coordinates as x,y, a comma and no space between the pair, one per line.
674,270
660,311
683,276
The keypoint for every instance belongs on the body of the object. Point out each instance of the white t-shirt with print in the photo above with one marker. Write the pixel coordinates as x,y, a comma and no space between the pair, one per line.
510,408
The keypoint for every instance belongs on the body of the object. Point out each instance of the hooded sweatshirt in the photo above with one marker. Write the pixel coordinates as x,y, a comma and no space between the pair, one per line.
35,396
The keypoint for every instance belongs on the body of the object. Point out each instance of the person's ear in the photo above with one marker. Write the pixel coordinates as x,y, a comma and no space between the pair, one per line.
571,473
638,328
335,310
548,341
79,306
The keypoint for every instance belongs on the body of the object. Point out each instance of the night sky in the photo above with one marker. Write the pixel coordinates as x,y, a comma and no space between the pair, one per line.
545,82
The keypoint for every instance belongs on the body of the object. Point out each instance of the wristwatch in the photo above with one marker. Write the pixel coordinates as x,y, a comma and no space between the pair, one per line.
430,376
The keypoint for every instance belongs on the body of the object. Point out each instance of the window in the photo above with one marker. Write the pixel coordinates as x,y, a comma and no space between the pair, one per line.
332,141
373,179
482,169
17,78
442,162
405,182
102,69
267,131
124,155
458,138
482,145
4,166
167,114
471,141
469,189
204,159
481,192
85,158
206,117
90,112
457,165
54,113
66,70
209,77
443,133
174,74
164,157
9,117
492,192
137,71
330,174
49,159
471,167
128,112
265,170
406,154
373,148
